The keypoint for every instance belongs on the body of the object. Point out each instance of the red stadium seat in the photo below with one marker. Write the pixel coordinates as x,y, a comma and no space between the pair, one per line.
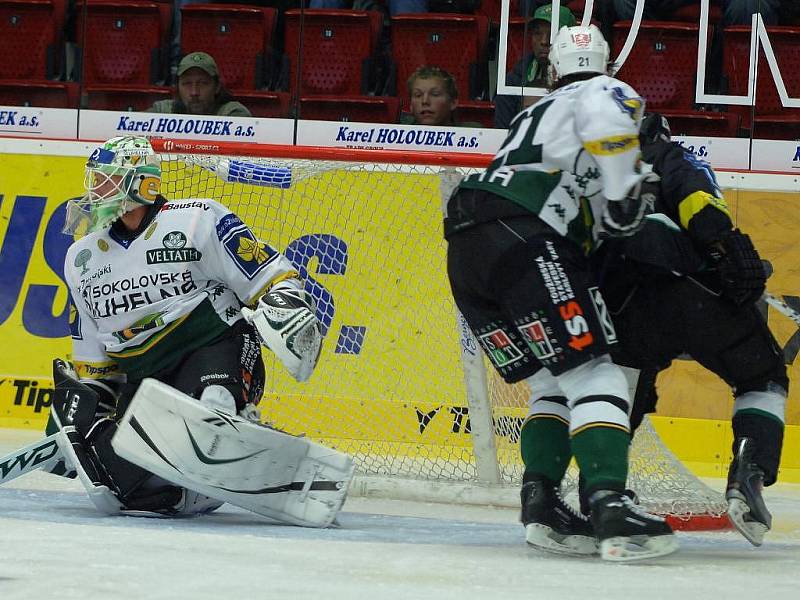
700,123
339,47
238,37
123,97
364,109
456,43
777,127
274,105
771,116
480,112
662,64
122,43
44,94
31,38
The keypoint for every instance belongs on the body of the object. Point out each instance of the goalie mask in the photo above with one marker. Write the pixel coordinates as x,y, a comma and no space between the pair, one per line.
578,50
121,175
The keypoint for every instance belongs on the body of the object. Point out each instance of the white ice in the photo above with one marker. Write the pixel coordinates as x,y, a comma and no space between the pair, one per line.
53,545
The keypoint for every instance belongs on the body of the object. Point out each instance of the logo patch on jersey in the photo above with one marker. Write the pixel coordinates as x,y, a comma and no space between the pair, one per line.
617,144
601,310
631,106
103,245
82,259
535,336
174,250
144,324
500,348
174,240
249,255
148,234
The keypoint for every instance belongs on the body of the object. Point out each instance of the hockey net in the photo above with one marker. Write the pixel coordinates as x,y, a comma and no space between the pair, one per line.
401,384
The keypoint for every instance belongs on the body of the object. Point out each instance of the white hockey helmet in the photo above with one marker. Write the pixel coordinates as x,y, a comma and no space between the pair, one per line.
578,50
122,174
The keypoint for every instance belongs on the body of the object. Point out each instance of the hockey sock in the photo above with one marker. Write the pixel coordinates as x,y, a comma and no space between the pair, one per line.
767,432
602,455
545,447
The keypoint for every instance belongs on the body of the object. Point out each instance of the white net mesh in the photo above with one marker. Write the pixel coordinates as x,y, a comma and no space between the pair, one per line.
389,387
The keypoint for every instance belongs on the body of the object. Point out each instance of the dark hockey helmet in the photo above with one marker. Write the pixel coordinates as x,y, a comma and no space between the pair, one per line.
654,127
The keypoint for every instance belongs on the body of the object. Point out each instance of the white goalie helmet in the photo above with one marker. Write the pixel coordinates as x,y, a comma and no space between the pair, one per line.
578,50
122,174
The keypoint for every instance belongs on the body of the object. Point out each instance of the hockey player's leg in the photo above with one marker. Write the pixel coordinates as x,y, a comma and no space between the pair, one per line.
229,458
112,484
550,523
739,347
599,423
758,438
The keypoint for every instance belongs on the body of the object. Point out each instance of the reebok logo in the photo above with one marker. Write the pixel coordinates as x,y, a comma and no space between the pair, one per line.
211,376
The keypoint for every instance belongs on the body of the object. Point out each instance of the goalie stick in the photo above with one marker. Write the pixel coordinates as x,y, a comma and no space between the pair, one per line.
42,454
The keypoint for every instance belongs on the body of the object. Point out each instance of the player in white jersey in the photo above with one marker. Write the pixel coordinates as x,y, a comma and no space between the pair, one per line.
157,290
520,235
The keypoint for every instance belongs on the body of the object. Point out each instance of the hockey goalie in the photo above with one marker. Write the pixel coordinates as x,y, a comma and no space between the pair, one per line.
171,303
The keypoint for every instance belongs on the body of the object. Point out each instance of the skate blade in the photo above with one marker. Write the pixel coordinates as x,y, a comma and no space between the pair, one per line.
753,531
628,549
544,538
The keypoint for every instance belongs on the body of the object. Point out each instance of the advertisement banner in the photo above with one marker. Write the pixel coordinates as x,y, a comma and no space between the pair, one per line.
27,121
376,136
102,124
720,153
387,357
776,155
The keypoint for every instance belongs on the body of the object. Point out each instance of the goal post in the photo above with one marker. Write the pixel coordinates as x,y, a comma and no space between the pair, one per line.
402,385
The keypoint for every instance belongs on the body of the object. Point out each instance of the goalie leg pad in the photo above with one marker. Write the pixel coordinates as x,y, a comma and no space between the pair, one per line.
226,457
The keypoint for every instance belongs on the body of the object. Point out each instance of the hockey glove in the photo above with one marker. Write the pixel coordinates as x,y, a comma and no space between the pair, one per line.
623,218
740,269
286,323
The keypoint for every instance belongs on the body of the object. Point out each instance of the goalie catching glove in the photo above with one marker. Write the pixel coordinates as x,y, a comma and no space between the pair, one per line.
285,321
739,266
623,218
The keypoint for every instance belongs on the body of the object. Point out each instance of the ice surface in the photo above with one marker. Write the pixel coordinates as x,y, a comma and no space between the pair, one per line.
54,545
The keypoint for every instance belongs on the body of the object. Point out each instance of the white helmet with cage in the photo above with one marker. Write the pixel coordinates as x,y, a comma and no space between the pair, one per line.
121,175
578,50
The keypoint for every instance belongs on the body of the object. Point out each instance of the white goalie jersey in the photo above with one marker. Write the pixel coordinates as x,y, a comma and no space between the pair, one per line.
138,304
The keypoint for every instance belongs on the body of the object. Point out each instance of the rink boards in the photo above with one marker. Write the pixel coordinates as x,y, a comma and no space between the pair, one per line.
427,415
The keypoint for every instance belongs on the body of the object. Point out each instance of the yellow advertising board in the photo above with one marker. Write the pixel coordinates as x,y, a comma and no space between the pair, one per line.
390,371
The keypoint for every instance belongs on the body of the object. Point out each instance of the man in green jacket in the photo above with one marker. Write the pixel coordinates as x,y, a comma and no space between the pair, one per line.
200,90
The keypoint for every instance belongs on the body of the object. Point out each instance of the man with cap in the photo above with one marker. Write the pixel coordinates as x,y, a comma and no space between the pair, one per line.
531,70
200,90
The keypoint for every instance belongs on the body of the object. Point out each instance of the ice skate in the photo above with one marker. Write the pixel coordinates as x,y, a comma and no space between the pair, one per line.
626,532
551,524
746,508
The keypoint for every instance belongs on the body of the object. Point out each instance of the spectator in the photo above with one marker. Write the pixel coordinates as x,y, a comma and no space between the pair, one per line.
200,90
531,70
740,12
396,7
433,98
